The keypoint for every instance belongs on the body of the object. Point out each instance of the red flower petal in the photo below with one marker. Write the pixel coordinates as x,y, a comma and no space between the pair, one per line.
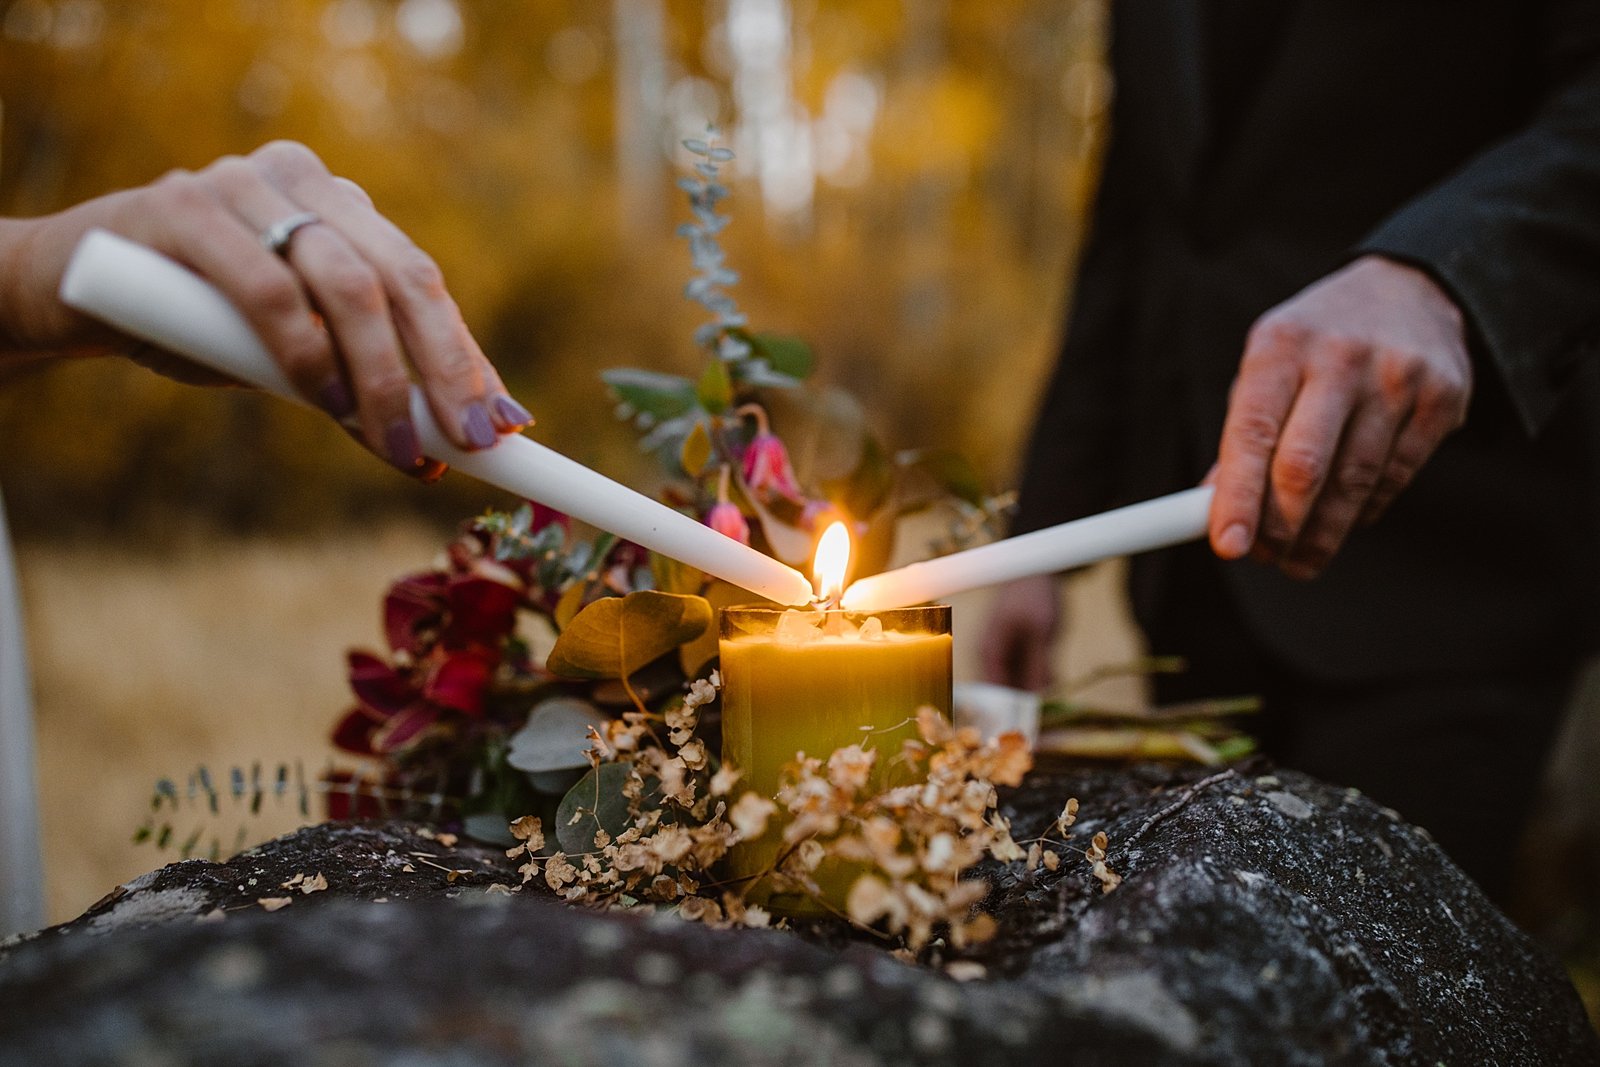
767,468
378,686
459,681
543,516
413,606
726,519
355,730
405,728
483,610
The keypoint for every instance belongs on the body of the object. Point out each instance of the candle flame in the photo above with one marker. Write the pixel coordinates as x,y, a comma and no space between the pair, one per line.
831,562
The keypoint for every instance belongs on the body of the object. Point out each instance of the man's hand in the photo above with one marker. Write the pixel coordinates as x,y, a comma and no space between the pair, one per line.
1344,391
348,310
1020,633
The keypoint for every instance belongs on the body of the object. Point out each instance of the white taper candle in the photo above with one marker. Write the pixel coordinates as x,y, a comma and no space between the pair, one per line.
1167,520
147,295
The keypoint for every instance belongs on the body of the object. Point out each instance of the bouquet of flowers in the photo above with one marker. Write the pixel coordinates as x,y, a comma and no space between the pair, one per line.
526,637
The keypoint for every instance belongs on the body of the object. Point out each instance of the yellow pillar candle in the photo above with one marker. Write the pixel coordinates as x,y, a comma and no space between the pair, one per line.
809,682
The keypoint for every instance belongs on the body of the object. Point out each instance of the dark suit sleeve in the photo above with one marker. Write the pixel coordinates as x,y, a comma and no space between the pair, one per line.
1514,236
1068,467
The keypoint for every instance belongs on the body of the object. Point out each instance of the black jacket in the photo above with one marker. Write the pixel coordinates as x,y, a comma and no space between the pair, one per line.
1461,136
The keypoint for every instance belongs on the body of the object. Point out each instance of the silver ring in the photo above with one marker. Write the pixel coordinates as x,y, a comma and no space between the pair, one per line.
277,236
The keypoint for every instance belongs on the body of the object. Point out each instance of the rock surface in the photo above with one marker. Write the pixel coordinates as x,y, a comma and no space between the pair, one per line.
1263,918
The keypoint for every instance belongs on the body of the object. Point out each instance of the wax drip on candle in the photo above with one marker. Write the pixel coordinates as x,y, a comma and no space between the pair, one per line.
830,564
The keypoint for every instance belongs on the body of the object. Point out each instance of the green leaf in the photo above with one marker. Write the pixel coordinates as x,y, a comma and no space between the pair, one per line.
615,636
674,577
694,656
863,491
555,737
949,469
490,827
756,372
595,803
786,355
696,451
660,396
716,388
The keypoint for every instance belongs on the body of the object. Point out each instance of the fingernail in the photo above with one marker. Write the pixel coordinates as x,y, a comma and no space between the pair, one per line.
405,451
512,414
477,428
1234,542
335,398
431,472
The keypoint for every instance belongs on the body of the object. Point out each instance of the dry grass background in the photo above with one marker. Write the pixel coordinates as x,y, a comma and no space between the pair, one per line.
225,652
147,665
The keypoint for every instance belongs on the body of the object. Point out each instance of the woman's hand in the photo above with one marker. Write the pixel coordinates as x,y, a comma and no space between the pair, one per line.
1344,392
347,308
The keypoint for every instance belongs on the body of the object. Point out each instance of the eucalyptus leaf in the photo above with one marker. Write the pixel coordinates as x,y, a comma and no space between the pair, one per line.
716,388
490,827
786,355
671,576
696,451
661,396
667,438
595,803
949,469
694,656
615,636
555,737
757,372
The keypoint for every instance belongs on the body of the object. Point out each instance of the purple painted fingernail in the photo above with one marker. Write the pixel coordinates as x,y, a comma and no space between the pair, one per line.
476,426
405,451
511,413
335,398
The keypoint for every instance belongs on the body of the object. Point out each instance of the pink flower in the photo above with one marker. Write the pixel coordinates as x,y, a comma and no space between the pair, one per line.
767,468
726,519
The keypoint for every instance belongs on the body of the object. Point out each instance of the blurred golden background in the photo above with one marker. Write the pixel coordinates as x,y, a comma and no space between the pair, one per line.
910,189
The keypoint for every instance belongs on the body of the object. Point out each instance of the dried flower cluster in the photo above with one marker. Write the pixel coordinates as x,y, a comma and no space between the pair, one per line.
656,826
913,841
910,844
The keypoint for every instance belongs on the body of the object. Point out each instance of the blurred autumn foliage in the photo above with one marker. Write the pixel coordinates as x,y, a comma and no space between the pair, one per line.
910,187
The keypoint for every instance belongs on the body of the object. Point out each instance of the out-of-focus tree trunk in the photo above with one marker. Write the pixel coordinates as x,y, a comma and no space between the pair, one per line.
641,86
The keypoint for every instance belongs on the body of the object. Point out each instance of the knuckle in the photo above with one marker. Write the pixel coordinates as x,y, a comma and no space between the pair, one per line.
1255,430
1296,471
1398,372
389,386
1395,478
182,191
229,172
1343,356
354,285
418,272
1359,477
1273,333
290,156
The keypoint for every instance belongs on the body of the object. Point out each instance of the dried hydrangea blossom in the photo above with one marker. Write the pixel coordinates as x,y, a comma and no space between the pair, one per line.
912,842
